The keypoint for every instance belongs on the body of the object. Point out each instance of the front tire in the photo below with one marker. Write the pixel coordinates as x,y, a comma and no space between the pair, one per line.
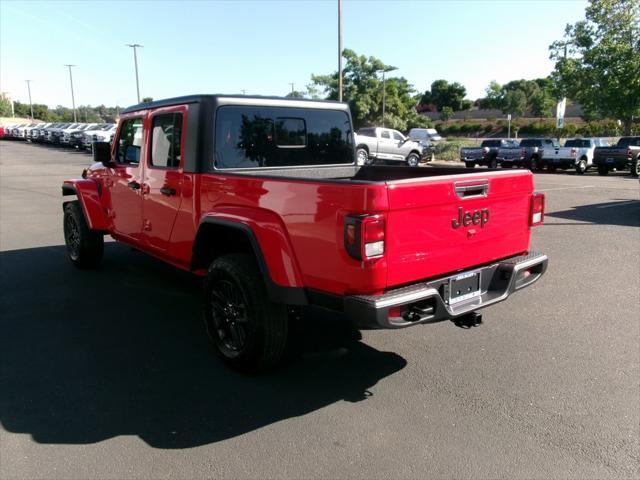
84,246
248,331
413,159
635,168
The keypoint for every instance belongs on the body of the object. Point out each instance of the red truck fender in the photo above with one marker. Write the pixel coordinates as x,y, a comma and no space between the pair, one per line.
88,192
267,238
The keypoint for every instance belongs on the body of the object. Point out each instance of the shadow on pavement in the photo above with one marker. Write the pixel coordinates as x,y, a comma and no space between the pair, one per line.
619,212
90,355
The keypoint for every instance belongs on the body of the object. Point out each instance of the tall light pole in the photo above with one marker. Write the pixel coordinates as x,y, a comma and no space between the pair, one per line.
73,99
339,50
29,90
292,84
384,90
135,61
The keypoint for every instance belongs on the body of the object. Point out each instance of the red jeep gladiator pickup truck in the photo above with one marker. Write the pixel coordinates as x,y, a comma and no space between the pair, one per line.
263,197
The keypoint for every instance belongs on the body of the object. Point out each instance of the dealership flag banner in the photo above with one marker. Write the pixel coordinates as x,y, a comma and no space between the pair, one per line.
560,113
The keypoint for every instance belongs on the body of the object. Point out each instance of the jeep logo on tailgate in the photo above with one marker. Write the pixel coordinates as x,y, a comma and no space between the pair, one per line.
467,218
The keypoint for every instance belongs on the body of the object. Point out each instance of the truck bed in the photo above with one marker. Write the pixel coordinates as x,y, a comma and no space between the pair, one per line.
438,220
362,174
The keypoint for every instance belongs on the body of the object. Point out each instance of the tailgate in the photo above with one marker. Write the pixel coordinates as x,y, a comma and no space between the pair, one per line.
440,225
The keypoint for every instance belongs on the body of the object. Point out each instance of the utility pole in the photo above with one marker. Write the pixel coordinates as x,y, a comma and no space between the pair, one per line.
292,84
384,90
73,100
339,50
29,89
135,61
384,97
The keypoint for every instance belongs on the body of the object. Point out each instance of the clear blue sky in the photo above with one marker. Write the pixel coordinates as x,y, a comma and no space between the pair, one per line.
261,46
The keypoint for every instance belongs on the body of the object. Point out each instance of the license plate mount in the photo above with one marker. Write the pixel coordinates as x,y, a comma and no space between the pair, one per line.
465,286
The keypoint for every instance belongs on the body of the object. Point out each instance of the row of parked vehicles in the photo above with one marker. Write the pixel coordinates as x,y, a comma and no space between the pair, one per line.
76,135
580,154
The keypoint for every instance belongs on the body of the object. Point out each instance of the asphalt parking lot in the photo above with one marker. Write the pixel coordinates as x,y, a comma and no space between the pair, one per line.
107,374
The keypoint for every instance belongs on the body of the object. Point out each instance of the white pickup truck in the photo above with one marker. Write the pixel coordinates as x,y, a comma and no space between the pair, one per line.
373,143
578,153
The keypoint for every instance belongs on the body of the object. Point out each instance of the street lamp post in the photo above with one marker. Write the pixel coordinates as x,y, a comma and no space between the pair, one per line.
135,61
29,90
384,90
73,100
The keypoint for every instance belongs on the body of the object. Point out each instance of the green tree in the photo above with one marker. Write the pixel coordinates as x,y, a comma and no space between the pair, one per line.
446,114
147,99
493,100
598,62
5,106
363,90
445,94
515,102
295,94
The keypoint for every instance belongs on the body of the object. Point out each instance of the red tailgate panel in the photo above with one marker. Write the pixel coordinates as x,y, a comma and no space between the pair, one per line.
421,241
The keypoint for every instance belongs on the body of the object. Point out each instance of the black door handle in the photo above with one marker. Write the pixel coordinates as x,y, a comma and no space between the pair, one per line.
168,191
133,185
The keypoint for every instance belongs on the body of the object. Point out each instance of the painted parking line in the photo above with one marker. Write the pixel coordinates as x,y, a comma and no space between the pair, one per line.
564,188
618,204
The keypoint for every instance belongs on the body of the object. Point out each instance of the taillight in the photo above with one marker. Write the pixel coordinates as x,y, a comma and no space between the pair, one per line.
485,151
573,152
537,209
629,154
364,236
523,152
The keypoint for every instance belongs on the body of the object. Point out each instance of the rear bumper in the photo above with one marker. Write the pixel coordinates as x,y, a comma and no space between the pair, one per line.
428,302
613,162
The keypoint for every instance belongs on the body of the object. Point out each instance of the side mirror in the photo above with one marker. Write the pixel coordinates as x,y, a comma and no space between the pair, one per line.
102,153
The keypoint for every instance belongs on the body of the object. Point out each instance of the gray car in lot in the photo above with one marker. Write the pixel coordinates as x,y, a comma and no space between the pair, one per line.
374,143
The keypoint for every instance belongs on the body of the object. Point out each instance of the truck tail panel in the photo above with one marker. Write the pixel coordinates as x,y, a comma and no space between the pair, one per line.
441,225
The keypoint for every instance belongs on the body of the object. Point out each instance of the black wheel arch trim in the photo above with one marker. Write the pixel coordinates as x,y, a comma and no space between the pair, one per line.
277,293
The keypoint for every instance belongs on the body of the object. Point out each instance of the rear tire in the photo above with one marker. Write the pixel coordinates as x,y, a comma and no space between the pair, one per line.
581,167
248,331
603,170
470,164
85,247
362,156
493,163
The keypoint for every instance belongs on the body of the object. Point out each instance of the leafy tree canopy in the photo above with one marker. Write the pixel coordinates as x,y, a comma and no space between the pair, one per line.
519,96
445,94
363,90
598,61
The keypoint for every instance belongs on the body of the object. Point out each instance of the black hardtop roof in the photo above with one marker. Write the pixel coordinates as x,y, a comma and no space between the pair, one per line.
239,100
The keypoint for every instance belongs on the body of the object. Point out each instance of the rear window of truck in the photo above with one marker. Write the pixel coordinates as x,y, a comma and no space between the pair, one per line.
531,143
490,143
254,137
628,142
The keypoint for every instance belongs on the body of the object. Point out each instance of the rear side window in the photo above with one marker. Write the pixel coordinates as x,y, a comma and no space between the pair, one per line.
385,134
166,133
367,132
254,137
130,141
